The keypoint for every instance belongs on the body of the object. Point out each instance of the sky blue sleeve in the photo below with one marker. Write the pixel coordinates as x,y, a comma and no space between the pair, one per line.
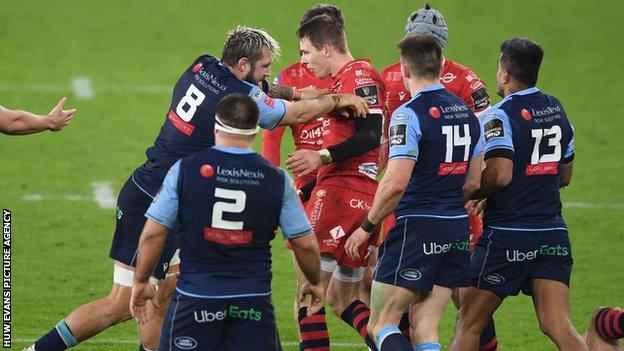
272,111
570,149
478,150
293,220
497,133
404,134
164,208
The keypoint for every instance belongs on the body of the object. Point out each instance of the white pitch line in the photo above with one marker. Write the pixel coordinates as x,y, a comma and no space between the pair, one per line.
103,194
82,87
591,205
136,341
76,88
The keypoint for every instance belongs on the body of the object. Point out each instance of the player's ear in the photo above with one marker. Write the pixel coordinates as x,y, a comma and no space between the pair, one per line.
243,64
327,49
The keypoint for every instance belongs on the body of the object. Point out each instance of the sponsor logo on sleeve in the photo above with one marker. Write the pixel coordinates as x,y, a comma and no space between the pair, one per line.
269,102
481,99
369,93
400,117
256,96
494,129
398,135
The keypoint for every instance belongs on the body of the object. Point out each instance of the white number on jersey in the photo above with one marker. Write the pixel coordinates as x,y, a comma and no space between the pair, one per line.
220,207
193,98
453,139
555,141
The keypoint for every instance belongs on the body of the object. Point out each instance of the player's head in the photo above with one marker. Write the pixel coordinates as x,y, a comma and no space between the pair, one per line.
428,21
249,52
519,64
324,9
421,58
321,39
236,118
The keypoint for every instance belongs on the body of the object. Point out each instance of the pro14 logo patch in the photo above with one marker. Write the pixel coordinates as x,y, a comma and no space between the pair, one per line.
398,135
494,129
370,93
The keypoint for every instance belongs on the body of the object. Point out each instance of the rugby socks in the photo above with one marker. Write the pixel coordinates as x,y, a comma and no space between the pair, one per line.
57,339
488,342
390,338
404,326
313,331
428,346
357,315
609,323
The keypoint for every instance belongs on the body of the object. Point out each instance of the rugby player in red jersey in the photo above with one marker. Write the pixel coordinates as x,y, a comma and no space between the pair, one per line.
463,83
346,181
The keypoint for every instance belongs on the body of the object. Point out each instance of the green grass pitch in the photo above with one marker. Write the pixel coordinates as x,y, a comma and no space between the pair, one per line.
133,52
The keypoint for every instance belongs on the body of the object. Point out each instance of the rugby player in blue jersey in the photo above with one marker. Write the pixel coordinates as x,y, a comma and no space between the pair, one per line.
188,128
528,150
227,203
434,139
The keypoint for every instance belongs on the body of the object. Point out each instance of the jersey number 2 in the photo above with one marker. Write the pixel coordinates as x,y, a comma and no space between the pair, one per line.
220,207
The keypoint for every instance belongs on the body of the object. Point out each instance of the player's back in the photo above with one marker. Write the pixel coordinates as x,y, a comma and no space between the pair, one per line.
189,124
534,127
230,204
440,132
359,173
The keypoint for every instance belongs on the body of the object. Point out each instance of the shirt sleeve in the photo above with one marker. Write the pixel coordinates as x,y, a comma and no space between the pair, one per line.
404,134
478,150
272,111
497,133
475,93
569,153
293,220
164,207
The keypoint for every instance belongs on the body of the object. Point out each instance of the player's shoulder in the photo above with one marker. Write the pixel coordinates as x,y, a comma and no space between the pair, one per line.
456,73
404,114
391,69
457,68
359,68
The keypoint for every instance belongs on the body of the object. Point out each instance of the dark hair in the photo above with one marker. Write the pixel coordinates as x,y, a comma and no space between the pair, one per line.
323,29
239,111
250,43
422,54
522,57
324,9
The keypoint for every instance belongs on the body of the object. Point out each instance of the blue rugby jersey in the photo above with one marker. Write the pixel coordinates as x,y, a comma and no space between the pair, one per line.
533,130
228,203
189,124
441,133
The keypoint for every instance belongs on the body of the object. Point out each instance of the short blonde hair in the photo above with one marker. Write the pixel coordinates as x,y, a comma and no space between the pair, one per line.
250,43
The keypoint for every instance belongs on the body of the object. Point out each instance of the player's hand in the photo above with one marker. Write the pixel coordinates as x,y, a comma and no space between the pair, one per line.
357,238
59,118
475,207
303,161
317,294
310,93
355,103
141,293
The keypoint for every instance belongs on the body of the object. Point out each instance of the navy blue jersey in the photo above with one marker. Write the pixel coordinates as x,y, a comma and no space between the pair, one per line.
441,133
534,128
227,202
189,124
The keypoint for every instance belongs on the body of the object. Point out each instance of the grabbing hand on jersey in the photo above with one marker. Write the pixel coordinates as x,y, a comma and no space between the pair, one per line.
141,293
475,207
310,93
303,161
357,238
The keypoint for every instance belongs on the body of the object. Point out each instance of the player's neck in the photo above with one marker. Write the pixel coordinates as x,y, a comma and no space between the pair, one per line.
417,84
340,61
513,87
227,140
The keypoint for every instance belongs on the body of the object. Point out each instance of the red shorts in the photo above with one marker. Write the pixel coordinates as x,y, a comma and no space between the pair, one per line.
335,213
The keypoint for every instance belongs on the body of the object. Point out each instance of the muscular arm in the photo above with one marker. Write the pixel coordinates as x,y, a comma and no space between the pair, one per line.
281,92
473,178
306,110
149,250
497,174
566,174
308,256
19,122
391,189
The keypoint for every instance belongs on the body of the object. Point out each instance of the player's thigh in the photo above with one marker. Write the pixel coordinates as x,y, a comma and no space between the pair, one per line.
452,273
251,325
388,303
551,299
476,308
432,305
502,261
194,324
344,287
554,259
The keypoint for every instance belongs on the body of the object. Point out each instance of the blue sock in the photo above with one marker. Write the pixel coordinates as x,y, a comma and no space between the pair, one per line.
390,338
428,346
57,339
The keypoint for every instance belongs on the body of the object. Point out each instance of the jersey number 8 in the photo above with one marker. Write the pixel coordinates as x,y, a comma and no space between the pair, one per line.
193,98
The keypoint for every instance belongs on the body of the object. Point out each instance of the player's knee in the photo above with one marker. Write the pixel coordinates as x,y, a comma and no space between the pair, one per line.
336,302
554,326
118,304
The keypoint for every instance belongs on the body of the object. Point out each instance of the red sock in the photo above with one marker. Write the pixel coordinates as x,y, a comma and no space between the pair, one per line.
609,323
313,331
357,315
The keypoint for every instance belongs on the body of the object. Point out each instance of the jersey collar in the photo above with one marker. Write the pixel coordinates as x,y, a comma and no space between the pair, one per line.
233,150
522,92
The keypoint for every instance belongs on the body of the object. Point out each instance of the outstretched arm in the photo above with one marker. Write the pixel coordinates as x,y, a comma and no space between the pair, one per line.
19,122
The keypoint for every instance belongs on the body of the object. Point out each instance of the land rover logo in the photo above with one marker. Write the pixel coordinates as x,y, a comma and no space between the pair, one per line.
185,342
410,274
494,278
